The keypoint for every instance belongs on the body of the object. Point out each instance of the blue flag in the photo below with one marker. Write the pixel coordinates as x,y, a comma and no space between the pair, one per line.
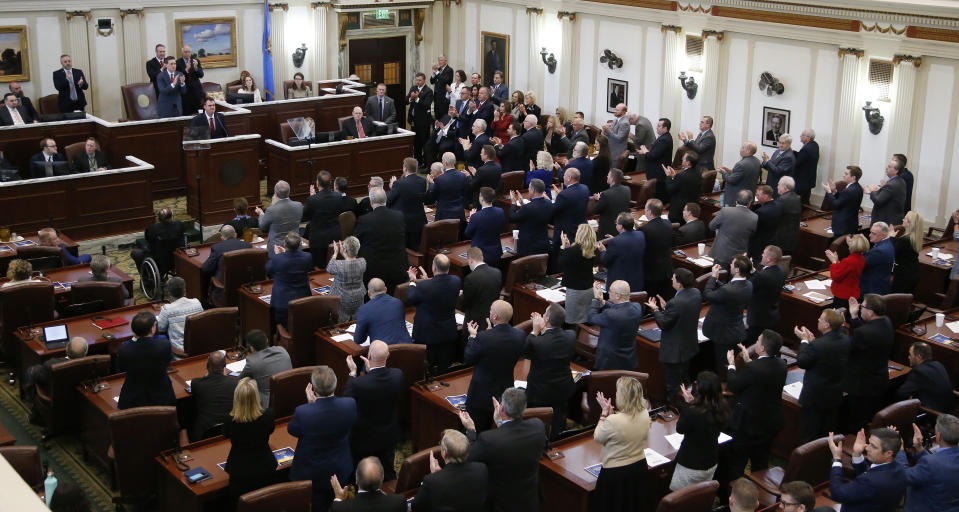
267,53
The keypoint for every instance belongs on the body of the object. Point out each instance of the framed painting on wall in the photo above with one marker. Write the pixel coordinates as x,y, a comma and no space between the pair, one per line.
775,123
213,40
495,56
616,93
14,59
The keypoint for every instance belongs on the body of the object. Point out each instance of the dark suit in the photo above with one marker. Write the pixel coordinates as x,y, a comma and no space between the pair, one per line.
622,253
62,84
487,175
382,318
211,267
787,230
689,233
767,222
485,112
743,176
323,428
322,210
348,128
512,155
889,202
434,324
660,154
845,210
758,414
38,165
616,347
420,119
383,244
170,97
877,489
782,163
763,309
585,167
81,162
407,195
214,401
569,211
440,79
824,360
533,221
705,146
154,67
611,203
682,188
879,261
657,259
6,119
291,280
493,354
440,142
533,140
931,482
867,375
193,98
484,230
472,155
376,501
449,191
550,382
377,394
511,454
678,321
481,288
385,115
905,174
724,321
28,106
807,162
201,121
929,382
458,487
145,361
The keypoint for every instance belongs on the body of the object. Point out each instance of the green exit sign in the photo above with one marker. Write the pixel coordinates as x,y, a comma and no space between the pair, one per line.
382,14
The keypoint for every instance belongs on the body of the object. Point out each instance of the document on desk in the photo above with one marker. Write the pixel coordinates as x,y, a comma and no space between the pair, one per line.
265,298
816,297
409,328
816,284
702,262
343,337
953,326
594,469
351,328
676,439
236,366
654,458
551,295
458,401
794,389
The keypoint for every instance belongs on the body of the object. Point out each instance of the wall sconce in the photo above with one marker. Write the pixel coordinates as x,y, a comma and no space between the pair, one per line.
299,54
689,84
770,85
610,59
104,26
874,118
549,61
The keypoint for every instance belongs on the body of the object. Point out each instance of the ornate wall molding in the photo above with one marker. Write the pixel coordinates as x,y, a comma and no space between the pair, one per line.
718,34
327,5
672,28
85,14
916,61
690,8
661,5
285,7
125,12
887,30
786,18
565,14
851,51
533,10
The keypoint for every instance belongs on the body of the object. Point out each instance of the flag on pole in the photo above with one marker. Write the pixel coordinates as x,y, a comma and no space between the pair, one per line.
267,53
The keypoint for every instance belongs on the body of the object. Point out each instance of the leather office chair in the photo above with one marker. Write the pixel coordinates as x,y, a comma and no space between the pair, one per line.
703,279
810,462
213,329
544,414
53,256
138,435
936,234
289,497
112,294
211,87
840,246
341,120
900,415
412,471
139,101
410,358
638,297
286,390
435,235
304,316
21,305
949,299
587,337
47,105
697,497
232,89
58,403
826,204
513,180
347,224
239,267
592,131
898,306
522,270
25,460
288,84
709,181
73,150
646,192
286,133
402,291
605,381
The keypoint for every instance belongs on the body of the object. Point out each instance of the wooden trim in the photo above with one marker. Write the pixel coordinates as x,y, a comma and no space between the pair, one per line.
916,61
662,5
788,18
934,34
533,10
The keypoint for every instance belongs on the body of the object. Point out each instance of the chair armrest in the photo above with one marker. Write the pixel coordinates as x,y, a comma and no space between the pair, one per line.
178,352
216,283
282,333
768,480
933,229
414,258
42,394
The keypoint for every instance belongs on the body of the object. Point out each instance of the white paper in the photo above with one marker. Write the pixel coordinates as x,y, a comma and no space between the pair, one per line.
523,202
116,399
593,223
654,458
794,389
351,328
942,255
815,297
237,366
551,295
814,284
676,439
265,298
519,384
460,318
953,326
188,382
829,230
343,337
700,336
427,209
702,262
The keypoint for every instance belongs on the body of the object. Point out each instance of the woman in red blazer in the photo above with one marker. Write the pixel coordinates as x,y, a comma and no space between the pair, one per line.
845,274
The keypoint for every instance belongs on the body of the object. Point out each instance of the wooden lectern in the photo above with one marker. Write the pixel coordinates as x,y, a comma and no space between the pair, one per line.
219,171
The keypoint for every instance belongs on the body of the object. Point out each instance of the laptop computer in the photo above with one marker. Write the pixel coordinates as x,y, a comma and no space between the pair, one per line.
55,336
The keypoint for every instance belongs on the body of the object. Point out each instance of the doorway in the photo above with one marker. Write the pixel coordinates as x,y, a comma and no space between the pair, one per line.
382,60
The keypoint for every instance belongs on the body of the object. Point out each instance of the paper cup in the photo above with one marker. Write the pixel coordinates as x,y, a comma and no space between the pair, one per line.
935,252
515,234
940,319
702,248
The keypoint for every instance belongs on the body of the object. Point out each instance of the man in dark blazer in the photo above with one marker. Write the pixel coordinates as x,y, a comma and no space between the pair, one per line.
486,175
460,113
845,202
322,210
807,164
70,84
290,270
435,300
191,68
579,133
928,380
12,109
867,375
323,427
734,225
550,350
512,155
532,219
472,149
383,317
165,230
407,195
210,120
763,310
618,319
485,226
449,191
92,159
569,209
441,78
382,108
584,165
880,481
493,353
758,415
357,127
743,176
704,145
420,99
533,140
678,320
768,212
383,241
727,302
879,261
145,359
27,105
459,485
620,253
659,156
824,359
787,229
930,483
369,496
889,197
444,137
48,162
172,87
213,394
481,287
694,230
264,362
657,258
211,267
155,65
511,453
683,186
483,109
610,203
782,163
905,173
376,393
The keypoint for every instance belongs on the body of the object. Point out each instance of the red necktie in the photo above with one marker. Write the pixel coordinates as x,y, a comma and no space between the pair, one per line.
212,128
359,130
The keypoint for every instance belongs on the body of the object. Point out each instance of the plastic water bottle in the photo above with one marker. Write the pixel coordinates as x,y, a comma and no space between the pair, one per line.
49,485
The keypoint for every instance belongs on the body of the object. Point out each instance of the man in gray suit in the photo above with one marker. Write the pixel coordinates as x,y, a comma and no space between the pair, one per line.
263,363
579,133
734,225
787,230
617,131
645,133
281,217
743,176
889,197
704,144
782,163
381,107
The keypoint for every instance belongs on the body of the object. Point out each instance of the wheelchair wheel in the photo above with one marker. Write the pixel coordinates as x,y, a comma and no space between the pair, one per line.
150,279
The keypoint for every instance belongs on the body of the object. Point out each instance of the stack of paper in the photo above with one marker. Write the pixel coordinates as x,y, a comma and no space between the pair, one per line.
676,439
794,389
551,295
343,337
953,326
702,262
654,458
265,298
459,318
815,297
236,366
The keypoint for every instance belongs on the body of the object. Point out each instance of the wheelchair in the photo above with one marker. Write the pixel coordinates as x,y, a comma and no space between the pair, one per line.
157,267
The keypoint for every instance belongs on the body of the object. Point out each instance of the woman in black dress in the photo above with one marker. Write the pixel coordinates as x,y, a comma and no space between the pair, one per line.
700,421
251,463
601,165
908,243
576,264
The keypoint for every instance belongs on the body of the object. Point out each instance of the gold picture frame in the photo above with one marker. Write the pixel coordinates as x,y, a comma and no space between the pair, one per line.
14,62
201,32
502,41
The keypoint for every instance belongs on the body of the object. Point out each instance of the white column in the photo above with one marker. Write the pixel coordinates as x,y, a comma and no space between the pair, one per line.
455,48
903,95
849,111
710,87
536,66
672,47
320,49
566,65
79,39
437,37
334,64
133,55
281,57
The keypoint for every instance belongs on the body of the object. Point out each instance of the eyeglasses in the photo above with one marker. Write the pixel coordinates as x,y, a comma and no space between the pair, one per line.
788,503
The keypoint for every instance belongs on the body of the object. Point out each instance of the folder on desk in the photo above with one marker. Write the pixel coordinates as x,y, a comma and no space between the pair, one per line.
108,323
24,243
594,469
283,455
323,290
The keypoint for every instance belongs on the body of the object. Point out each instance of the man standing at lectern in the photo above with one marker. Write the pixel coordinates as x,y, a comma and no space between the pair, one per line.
210,120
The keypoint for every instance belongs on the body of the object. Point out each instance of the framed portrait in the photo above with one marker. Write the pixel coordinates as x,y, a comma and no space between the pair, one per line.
616,92
775,123
495,56
213,40
14,60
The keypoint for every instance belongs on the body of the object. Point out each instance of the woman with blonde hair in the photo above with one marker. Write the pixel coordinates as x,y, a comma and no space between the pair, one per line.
845,274
907,241
576,264
554,139
348,276
623,431
249,87
542,170
19,271
529,106
251,463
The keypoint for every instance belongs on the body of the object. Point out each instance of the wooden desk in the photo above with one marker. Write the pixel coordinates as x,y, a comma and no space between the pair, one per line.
219,171
190,268
526,301
431,413
692,251
934,274
814,239
72,274
459,266
635,181
709,206
177,494
6,438
796,310
255,312
8,251
947,354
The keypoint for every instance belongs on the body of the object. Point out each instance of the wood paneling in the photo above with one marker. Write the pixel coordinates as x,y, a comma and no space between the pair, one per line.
786,18
935,34
663,5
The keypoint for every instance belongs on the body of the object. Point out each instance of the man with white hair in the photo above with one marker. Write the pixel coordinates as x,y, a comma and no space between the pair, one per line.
879,261
449,190
582,163
363,206
472,149
617,131
619,319
358,126
441,79
533,138
807,164
782,163
191,68
282,216
382,235
790,205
